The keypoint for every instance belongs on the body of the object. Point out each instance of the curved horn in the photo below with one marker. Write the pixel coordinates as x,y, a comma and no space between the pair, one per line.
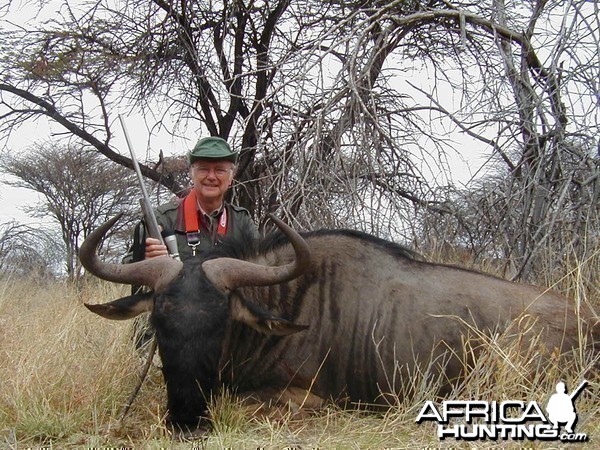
228,273
155,272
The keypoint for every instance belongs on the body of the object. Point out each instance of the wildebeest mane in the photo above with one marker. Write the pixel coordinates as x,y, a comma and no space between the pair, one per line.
243,246
278,239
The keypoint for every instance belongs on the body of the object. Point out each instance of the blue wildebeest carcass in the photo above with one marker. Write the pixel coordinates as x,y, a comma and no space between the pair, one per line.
339,313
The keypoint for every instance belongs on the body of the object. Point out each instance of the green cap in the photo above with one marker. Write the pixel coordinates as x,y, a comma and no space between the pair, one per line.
212,148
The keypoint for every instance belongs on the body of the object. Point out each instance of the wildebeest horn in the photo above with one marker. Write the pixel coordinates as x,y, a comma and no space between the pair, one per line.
228,273
154,272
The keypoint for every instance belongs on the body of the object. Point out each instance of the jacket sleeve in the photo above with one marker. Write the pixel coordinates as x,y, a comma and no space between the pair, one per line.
244,224
251,226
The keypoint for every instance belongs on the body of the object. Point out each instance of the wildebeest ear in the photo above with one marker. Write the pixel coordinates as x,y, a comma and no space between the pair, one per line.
124,308
261,319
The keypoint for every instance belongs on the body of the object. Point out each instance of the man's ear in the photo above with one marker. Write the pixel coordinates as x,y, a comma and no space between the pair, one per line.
261,319
234,169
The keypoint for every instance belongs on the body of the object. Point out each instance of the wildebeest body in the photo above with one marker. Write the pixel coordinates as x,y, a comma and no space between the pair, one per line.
356,321
371,310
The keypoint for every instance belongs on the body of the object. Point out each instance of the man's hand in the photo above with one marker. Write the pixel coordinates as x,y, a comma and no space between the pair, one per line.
154,248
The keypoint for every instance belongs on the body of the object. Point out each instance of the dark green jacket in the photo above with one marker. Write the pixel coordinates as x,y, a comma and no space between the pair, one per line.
170,217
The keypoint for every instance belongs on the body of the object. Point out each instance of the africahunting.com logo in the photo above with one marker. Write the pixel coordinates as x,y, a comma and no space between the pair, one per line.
512,419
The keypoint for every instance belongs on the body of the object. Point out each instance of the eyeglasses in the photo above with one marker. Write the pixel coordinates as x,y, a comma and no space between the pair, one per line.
220,172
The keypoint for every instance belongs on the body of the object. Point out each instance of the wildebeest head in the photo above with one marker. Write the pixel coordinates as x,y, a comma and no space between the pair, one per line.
190,309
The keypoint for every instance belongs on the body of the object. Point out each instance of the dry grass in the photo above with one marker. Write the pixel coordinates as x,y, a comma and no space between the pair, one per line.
66,375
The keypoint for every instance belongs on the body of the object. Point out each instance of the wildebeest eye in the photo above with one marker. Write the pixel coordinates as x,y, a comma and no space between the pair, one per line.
261,319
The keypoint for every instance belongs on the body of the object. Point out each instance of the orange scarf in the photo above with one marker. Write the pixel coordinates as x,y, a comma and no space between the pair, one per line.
190,215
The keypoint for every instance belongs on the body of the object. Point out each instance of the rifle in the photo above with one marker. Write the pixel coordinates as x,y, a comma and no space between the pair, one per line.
577,391
153,232
149,217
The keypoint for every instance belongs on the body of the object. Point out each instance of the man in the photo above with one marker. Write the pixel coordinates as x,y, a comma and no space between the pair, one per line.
199,220
203,218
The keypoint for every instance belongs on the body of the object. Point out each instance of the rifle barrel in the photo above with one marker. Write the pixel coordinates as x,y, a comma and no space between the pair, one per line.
577,391
151,223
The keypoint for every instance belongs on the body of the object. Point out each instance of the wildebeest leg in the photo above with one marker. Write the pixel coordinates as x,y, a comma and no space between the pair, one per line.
277,404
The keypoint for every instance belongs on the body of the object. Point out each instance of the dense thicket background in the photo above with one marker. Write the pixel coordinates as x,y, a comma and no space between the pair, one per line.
345,113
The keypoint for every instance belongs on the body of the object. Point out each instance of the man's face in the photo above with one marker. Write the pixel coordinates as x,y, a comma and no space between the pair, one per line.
211,179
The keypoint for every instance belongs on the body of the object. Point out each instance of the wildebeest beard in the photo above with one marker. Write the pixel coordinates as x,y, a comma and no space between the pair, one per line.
190,321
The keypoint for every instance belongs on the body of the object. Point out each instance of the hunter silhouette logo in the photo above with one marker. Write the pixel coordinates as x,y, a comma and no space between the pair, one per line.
561,406
511,419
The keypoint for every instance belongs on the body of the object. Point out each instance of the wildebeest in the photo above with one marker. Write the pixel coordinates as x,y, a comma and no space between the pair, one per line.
337,313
